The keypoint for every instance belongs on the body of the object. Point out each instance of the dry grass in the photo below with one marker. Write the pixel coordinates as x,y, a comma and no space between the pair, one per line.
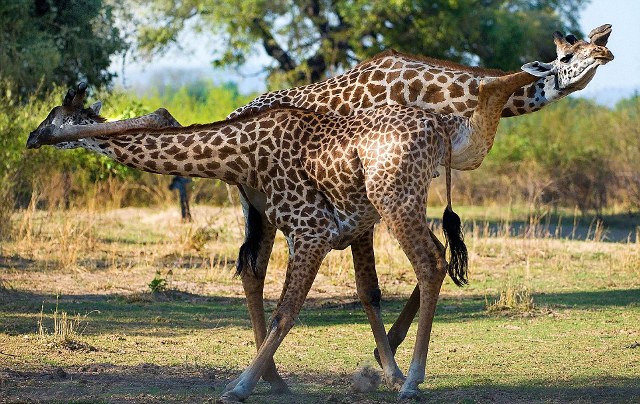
512,298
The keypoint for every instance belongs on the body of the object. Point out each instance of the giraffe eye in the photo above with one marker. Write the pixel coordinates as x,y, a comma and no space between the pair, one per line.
566,58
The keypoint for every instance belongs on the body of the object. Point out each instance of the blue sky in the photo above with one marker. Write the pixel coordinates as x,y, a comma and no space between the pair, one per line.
618,79
621,77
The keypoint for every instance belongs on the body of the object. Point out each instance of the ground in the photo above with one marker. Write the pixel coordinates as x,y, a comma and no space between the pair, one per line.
578,340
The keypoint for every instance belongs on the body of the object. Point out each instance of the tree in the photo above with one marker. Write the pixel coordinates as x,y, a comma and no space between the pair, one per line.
47,42
310,39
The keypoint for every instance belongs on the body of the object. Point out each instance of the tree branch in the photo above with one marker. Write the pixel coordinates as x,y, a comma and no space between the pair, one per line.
272,47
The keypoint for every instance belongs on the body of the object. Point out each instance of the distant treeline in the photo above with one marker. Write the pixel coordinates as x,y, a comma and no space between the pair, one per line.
571,154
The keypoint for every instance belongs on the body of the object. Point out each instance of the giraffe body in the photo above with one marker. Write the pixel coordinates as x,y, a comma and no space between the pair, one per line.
434,85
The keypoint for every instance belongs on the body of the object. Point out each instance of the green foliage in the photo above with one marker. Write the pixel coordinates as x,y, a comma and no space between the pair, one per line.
573,153
198,102
47,42
22,170
158,284
309,39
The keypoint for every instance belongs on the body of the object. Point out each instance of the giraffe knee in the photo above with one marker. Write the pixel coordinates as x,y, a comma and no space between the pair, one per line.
281,323
371,297
375,297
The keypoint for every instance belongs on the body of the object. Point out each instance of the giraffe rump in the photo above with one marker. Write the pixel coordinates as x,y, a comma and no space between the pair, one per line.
459,258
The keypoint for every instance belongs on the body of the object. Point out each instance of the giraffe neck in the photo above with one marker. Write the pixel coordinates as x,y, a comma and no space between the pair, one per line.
226,150
473,140
396,78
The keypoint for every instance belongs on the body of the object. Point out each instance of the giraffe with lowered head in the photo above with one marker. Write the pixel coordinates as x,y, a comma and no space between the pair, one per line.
327,180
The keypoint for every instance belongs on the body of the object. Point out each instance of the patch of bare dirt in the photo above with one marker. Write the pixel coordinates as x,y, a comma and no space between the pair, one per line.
110,383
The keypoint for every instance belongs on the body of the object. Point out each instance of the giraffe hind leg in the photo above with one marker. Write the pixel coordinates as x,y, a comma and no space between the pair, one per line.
258,245
370,295
398,331
430,268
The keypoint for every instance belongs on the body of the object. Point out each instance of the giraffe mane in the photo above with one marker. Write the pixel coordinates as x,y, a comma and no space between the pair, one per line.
437,62
167,130
91,114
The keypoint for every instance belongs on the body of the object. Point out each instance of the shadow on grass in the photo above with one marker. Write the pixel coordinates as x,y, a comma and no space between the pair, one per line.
473,306
16,262
581,389
186,383
175,312
619,227
168,261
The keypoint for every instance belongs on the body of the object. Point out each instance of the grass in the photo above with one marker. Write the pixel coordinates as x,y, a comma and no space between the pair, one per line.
578,342
515,298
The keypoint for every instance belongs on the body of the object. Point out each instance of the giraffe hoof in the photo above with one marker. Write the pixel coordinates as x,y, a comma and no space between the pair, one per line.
394,382
407,395
230,397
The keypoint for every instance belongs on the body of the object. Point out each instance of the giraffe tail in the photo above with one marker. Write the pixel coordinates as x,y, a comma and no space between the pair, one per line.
248,255
452,228
458,256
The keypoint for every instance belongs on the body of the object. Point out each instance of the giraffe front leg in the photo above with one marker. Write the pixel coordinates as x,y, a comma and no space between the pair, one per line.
398,331
370,295
304,262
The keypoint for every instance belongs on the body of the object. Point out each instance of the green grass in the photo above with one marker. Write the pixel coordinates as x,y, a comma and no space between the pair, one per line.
578,344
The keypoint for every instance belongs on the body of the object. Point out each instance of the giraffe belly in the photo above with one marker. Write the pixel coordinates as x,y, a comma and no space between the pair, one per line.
346,195
353,224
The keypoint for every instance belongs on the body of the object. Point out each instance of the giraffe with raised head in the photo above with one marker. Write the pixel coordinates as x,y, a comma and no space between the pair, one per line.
327,180
396,78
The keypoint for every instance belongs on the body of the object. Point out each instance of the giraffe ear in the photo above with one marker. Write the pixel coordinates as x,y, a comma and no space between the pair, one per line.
539,69
96,107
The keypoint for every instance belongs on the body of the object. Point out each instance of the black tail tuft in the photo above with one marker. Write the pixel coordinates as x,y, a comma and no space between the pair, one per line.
248,255
459,259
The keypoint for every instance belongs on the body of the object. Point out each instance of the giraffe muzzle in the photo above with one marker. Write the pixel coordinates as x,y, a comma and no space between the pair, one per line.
604,55
41,136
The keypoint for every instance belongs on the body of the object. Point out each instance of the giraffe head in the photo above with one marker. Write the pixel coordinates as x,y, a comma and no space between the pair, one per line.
578,59
71,125
70,113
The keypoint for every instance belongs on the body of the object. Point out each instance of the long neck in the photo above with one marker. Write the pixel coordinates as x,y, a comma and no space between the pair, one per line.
481,129
396,78
226,150
533,96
